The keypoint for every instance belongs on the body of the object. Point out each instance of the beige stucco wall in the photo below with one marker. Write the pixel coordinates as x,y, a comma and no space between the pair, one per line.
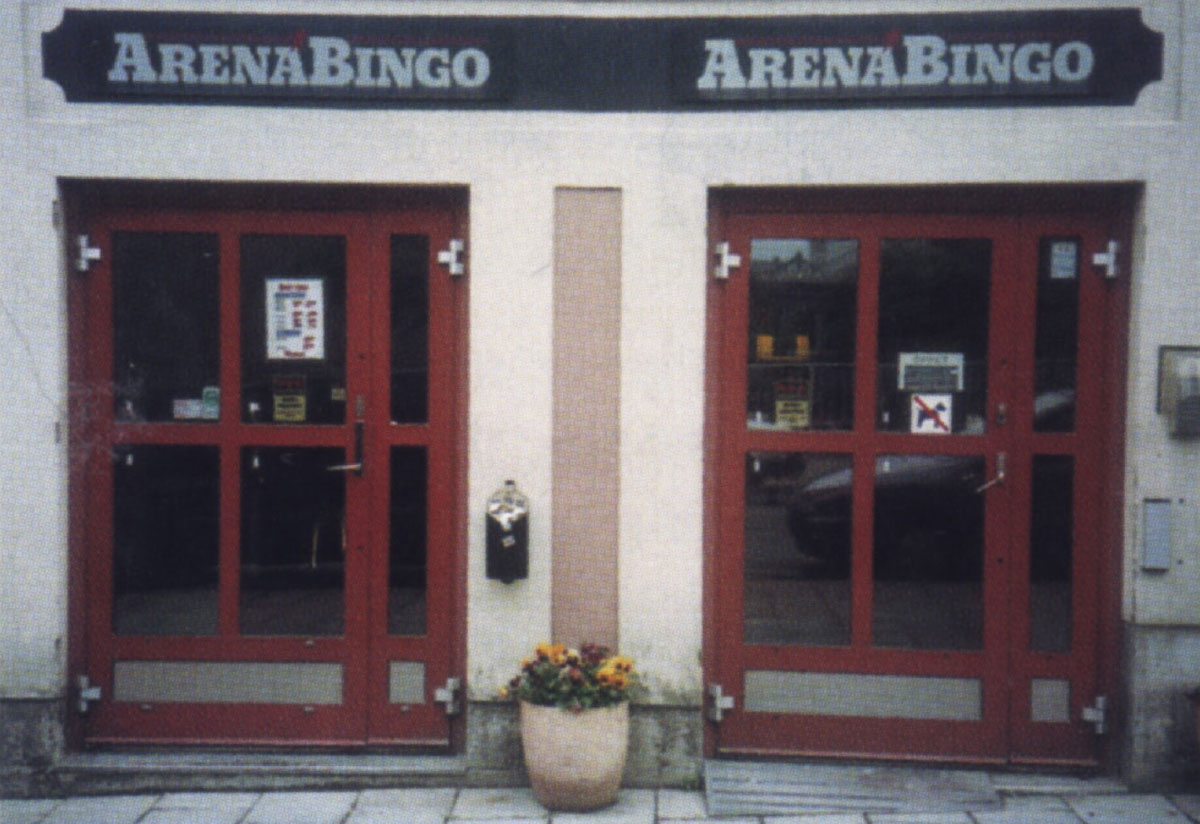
512,163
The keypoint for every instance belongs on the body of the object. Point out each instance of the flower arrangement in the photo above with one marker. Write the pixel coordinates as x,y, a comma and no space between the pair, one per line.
574,680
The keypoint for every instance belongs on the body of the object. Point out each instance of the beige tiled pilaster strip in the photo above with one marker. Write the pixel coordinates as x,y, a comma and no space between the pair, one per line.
585,460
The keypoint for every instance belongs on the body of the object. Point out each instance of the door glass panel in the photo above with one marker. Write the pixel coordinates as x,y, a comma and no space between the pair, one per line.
165,524
933,335
928,559
1057,335
293,541
408,536
293,329
797,562
410,328
803,297
1050,553
165,354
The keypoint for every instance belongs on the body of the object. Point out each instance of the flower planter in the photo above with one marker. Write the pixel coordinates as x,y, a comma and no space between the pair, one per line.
575,759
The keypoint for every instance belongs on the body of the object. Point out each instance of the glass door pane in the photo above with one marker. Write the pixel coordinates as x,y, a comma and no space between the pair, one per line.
293,329
408,536
803,297
165,537
933,335
293,541
928,552
165,337
797,561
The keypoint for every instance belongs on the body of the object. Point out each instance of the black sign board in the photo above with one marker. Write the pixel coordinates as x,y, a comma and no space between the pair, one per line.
1061,57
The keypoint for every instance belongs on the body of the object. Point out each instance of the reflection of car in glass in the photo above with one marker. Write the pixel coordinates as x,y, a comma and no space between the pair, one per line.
928,514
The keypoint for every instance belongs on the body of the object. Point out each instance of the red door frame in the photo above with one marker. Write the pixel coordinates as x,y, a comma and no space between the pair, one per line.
828,208
364,717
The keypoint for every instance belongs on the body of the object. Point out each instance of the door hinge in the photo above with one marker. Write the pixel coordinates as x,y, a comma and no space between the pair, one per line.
451,258
448,695
87,693
1097,714
85,253
1107,259
718,703
726,260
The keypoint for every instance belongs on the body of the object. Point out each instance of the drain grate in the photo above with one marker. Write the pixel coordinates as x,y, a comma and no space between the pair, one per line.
767,788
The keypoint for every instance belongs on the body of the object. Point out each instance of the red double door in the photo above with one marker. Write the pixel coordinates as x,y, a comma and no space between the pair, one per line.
266,424
913,498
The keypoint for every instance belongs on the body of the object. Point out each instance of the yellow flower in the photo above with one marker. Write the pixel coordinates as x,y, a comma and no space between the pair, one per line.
542,650
504,692
618,680
621,663
558,655
604,677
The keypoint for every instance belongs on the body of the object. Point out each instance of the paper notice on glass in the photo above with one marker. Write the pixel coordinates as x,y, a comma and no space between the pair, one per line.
295,319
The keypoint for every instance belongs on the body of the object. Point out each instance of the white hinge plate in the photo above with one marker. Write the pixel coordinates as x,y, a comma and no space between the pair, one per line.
726,260
718,703
448,696
1107,260
451,257
87,693
1097,714
85,253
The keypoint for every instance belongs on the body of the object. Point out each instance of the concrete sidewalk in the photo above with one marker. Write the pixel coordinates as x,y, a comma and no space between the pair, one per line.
446,805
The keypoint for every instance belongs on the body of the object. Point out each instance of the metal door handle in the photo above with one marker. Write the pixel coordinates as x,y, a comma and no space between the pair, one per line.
1001,461
357,466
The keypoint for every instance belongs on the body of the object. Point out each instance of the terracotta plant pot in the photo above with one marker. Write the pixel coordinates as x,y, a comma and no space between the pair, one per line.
575,759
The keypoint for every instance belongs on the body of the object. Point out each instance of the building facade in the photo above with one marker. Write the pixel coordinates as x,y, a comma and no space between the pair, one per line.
843,356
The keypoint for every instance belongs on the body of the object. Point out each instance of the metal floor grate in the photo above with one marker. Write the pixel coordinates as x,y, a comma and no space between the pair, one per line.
769,788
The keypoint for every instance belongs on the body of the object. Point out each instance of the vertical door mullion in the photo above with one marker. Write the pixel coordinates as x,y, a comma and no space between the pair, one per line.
865,387
229,553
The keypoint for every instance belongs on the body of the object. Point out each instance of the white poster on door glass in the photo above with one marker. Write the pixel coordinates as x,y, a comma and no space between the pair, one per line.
295,319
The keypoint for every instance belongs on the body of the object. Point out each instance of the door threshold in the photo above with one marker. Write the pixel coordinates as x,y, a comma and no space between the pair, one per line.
103,773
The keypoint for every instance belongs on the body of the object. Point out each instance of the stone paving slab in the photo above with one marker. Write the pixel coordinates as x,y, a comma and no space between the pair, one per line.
115,809
302,808
501,803
1190,804
23,811
1039,809
920,818
833,818
680,804
1126,809
632,807
518,806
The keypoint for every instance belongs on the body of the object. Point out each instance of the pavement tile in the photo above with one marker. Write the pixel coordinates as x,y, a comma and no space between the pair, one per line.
1190,804
302,808
631,807
406,806
920,818
113,809
195,815
820,818
1039,783
25,810
205,801
720,820
681,804
1125,809
498,803
1024,809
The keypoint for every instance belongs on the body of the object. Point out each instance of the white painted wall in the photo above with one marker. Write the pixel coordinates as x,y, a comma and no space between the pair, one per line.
512,163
